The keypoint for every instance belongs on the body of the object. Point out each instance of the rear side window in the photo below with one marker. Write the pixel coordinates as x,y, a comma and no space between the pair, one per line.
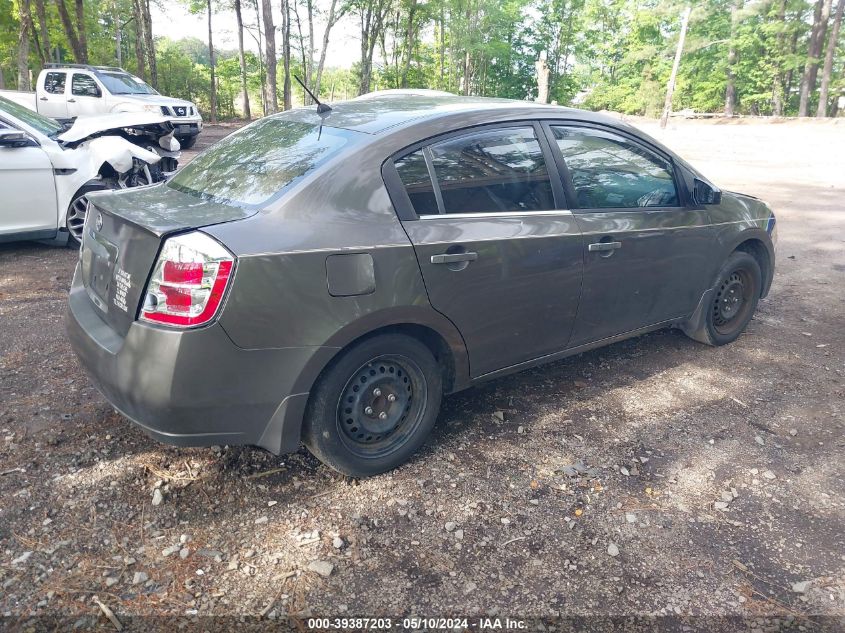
414,174
54,83
250,167
492,171
609,171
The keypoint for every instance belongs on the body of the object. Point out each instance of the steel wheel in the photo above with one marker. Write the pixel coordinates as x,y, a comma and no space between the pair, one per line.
732,301
381,405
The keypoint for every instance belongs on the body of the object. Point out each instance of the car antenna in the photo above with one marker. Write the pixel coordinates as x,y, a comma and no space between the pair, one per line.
321,107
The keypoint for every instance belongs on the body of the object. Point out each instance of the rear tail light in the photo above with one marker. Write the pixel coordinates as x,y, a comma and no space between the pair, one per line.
188,282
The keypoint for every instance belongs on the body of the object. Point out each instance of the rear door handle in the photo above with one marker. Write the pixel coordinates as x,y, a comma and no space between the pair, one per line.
451,258
604,246
43,98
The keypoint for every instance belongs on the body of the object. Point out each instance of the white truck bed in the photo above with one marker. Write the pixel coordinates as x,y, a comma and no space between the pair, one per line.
26,99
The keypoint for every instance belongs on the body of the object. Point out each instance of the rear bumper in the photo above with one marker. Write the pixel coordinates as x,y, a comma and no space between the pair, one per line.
192,387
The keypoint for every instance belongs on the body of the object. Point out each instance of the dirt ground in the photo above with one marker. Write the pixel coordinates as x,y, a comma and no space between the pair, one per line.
656,477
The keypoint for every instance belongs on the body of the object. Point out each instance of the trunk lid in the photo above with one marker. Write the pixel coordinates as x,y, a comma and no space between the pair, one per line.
122,237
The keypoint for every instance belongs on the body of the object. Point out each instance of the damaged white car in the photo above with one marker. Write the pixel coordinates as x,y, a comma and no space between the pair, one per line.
47,169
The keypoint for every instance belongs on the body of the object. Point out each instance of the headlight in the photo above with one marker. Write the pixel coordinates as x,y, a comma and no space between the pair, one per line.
152,108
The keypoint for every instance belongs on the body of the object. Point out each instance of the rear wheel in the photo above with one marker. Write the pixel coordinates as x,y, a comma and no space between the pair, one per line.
735,297
375,406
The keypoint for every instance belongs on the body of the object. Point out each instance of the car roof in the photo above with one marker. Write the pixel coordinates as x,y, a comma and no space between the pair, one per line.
379,114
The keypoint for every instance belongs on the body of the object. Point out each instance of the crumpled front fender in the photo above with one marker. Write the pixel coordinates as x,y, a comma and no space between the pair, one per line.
118,152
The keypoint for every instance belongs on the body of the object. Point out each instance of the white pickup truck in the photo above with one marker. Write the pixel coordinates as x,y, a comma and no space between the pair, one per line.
67,91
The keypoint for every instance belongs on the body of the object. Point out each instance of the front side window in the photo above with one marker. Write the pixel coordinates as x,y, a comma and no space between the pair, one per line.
250,167
54,83
492,171
84,86
610,172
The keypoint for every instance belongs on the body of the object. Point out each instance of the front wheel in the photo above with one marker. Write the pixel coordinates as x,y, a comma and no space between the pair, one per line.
77,211
187,142
734,301
374,406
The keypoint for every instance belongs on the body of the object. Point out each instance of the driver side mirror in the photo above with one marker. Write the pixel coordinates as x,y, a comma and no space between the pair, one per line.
706,193
16,138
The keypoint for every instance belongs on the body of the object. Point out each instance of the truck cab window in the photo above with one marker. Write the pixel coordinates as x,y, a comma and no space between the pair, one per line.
54,83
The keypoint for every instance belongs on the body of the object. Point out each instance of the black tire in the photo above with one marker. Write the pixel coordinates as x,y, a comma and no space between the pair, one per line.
187,142
734,301
76,211
343,427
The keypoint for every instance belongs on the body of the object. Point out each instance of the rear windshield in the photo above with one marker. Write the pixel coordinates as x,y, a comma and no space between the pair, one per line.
252,166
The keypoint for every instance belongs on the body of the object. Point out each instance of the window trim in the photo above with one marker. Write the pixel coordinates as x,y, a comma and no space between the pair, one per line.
402,202
566,177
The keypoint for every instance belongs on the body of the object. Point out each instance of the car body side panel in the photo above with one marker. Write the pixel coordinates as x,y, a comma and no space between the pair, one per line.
518,299
663,265
740,218
280,295
28,190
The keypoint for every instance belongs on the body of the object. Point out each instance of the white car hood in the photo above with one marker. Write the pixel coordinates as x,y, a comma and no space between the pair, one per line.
85,127
154,99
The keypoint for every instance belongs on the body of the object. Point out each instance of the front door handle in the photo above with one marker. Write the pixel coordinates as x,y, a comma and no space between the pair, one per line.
604,246
71,100
452,258
43,98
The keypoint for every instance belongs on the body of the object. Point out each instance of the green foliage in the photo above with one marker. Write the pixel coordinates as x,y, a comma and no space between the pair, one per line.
604,54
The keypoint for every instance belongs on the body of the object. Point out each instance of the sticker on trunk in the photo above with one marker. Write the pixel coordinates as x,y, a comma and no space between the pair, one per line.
122,284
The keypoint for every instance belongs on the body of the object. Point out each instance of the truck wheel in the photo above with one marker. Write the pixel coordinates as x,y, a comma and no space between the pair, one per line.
374,406
187,142
735,296
77,211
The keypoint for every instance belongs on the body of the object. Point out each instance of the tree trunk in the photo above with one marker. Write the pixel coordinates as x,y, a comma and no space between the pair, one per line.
118,35
43,40
242,58
409,43
286,53
301,38
778,81
23,45
80,52
149,43
139,38
213,117
828,59
270,55
332,19
730,86
80,29
309,67
366,16
670,88
442,46
821,15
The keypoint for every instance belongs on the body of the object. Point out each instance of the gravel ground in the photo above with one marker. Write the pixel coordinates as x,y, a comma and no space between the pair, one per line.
656,477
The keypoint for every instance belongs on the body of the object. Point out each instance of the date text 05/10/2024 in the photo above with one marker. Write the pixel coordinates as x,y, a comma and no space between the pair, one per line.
417,624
